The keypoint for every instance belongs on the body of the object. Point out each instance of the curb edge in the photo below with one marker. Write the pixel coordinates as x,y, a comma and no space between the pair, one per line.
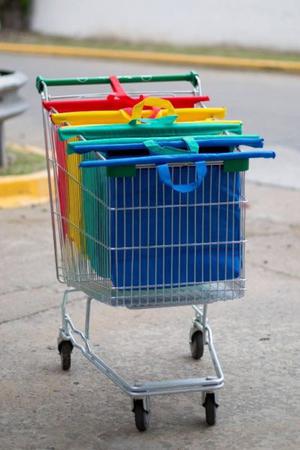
154,57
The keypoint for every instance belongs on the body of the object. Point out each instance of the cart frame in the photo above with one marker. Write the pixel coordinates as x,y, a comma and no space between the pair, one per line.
70,336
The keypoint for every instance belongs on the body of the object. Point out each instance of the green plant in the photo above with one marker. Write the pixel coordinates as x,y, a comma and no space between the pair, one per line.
21,162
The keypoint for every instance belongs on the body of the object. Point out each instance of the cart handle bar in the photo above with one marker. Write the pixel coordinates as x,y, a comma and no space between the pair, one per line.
192,77
183,158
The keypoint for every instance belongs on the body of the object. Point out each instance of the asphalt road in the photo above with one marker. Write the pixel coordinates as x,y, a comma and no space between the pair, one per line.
267,103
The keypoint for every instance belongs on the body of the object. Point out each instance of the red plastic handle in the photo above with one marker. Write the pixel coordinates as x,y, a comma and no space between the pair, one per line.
113,102
117,87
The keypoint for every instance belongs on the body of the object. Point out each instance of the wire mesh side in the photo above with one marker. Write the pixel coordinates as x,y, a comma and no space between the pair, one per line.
132,241
183,248
140,244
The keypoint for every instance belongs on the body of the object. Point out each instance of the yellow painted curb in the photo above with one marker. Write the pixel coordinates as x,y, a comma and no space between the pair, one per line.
24,190
20,201
154,57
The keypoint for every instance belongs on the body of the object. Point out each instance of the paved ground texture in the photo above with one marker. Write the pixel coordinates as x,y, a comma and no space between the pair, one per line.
257,339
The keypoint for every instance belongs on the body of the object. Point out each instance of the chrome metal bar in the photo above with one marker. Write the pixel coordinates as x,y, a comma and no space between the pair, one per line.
51,196
153,388
87,317
204,322
69,331
97,95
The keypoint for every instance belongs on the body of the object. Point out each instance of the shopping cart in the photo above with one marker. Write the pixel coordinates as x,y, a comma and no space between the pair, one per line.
162,229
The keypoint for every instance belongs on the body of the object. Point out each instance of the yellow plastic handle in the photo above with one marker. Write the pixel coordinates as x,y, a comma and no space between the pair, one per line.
137,110
122,116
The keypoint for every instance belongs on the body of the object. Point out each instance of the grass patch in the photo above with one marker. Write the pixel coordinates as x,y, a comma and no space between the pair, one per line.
22,162
115,44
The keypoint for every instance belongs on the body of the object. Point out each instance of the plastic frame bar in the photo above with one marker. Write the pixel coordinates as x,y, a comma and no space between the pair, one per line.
82,147
182,158
41,82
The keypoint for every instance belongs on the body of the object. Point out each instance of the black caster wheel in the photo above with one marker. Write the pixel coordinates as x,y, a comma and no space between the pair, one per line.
210,406
65,349
197,345
142,417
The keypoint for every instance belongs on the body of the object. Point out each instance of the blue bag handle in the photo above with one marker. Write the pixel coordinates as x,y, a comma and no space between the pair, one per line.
165,177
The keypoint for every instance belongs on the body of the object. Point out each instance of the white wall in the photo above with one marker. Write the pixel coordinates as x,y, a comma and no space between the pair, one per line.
271,24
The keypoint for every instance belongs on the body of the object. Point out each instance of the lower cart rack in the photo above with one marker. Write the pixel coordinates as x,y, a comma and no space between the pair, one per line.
199,337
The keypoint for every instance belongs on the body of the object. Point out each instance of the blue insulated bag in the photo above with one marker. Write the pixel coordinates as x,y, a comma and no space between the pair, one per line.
162,237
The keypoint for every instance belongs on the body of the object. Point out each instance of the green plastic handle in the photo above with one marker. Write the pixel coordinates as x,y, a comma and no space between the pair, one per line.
146,131
40,81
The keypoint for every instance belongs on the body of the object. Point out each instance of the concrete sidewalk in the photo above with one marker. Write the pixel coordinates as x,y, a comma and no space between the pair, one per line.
257,340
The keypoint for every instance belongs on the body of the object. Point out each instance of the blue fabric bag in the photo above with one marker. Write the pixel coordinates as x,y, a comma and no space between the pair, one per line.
161,229
161,237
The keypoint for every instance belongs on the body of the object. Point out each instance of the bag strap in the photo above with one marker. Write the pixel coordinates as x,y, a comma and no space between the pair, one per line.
157,149
157,103
165,177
